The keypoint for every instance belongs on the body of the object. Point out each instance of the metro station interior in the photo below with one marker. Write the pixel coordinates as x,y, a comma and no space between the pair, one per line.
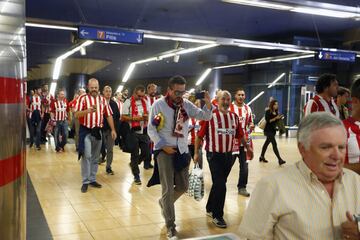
273,49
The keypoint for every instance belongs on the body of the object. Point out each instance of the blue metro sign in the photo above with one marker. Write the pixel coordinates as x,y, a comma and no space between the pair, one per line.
335,56
110,34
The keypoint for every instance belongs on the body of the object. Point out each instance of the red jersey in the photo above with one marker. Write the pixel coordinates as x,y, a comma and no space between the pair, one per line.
353,140
194,127
151,100
46,101
245,117
35,104
221,131
319,104
60,110
94,119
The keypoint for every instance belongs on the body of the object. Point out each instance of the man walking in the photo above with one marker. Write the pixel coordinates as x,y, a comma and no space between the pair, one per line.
59,111
220,133
90,110
135,111
108,141
168,129
244,113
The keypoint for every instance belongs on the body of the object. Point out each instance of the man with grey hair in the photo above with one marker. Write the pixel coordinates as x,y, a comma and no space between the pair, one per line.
312,199
220,132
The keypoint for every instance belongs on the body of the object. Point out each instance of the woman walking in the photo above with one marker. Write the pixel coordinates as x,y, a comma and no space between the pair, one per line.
272,116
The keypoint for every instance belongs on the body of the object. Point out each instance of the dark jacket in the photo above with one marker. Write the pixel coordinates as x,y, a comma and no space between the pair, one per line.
270,128
116,116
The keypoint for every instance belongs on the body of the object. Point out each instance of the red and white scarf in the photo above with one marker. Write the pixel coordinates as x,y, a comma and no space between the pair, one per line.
135,111
180,116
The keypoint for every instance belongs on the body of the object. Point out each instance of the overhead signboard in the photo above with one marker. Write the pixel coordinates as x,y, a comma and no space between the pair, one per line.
110,34
335,56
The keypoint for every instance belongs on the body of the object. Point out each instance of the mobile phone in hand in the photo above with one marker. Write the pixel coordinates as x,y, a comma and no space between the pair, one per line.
200,95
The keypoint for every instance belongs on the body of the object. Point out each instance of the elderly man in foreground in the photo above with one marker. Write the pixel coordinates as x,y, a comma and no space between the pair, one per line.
312,199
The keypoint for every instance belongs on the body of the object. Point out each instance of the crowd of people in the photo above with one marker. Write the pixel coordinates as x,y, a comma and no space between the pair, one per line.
312,199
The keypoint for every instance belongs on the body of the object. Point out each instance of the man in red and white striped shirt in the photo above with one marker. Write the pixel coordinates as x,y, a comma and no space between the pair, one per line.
36,114
352,126
326,89
220,133
90,109
59,110
244,113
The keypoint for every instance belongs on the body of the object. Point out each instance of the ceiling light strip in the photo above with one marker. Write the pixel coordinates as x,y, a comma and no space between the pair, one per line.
307,7
255,98
203,76
50,26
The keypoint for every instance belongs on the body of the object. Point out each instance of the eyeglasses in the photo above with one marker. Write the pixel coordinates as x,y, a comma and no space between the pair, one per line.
179,93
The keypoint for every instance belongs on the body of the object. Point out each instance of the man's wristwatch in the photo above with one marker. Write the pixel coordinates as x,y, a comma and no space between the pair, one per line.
357,219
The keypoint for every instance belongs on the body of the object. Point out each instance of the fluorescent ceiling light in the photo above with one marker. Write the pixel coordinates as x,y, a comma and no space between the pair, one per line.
307,7
297,50
292,58
120,88
58,61
324,12
195,49
146,60
259,62
229,66
181,39
247,45
128,72
53,88
192,90
276,80
203,76
256,3
39,25
255,98
57,68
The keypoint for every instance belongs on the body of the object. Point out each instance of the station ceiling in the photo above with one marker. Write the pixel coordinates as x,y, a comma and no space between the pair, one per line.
213,18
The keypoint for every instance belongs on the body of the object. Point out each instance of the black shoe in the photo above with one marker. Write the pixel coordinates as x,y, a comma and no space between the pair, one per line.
219,222
31,145
137,180
109,171
38,148
102,160
281,162
243,192
84,188
148,166
262,159
96,184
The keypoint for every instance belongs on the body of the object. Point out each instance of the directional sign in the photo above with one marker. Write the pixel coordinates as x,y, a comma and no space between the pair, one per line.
336,56
110,34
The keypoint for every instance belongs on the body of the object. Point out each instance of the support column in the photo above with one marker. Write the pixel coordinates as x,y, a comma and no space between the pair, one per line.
215,76
13,122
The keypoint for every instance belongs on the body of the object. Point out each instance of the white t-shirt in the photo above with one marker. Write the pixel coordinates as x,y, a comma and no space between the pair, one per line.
126,110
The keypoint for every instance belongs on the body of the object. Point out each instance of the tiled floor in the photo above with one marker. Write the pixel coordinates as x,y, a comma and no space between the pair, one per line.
122,210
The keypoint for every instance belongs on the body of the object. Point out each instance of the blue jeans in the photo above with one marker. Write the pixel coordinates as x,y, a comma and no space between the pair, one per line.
90,159
61,129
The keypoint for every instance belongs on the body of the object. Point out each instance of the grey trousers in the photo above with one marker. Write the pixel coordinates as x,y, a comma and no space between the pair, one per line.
109,145
90,159
170,193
